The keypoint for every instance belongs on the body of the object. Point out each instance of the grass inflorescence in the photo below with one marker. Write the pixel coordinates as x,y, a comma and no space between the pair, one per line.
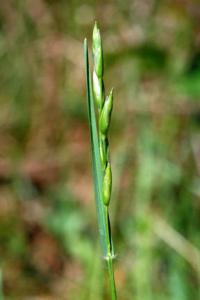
100,148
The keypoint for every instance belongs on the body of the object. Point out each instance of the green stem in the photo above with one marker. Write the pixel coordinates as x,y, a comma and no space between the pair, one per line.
110,257
111,278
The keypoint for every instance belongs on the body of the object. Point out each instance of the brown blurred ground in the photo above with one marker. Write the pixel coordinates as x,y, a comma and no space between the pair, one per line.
48,236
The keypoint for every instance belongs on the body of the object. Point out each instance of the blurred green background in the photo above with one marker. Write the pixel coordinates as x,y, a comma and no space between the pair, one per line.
49,244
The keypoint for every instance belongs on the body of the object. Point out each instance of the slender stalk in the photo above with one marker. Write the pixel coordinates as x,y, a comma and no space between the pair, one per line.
111,278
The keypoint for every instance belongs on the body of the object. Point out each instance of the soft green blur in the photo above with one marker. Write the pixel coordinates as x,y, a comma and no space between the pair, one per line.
49,244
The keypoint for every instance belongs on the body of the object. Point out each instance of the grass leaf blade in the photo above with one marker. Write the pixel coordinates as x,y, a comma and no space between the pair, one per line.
96,162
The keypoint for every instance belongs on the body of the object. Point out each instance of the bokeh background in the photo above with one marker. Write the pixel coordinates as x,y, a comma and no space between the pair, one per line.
49,244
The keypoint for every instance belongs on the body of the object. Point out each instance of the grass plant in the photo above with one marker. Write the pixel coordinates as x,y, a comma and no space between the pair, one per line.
102,174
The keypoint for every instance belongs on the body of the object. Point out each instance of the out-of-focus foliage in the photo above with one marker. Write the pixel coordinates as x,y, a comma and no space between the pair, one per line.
49,246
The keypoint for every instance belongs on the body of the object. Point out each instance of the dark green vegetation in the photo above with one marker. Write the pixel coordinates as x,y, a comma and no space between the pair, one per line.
47,212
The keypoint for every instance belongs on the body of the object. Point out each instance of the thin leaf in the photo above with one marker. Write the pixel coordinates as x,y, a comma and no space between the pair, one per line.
96,162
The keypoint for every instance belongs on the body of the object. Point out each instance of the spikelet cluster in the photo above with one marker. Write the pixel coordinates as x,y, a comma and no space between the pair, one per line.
105,106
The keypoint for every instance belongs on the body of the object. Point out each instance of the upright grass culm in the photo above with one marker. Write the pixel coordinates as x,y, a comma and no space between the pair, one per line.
100,148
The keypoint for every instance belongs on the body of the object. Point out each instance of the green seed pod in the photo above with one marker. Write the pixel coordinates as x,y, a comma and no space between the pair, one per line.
97,52
107,185
105,116
98,90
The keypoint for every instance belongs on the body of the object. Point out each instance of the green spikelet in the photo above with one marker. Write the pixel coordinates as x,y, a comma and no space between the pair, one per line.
98,86
98,90
105,116
97,52
103,151
107,185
